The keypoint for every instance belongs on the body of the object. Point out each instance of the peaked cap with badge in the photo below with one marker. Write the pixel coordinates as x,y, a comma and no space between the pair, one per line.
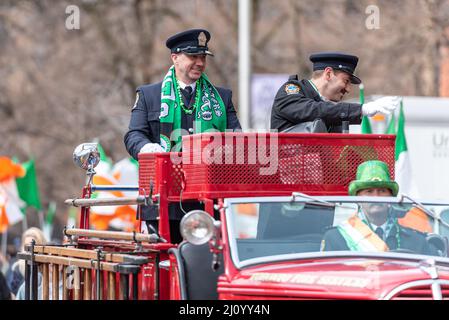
337,61
151,108
373,174
193,41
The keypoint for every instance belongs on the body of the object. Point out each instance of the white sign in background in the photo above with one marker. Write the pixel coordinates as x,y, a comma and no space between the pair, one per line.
263,90
429,156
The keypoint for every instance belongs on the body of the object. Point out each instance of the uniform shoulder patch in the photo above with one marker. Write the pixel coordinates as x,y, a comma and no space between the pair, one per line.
291,88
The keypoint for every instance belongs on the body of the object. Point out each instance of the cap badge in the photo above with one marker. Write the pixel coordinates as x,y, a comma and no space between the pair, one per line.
291,88
202,39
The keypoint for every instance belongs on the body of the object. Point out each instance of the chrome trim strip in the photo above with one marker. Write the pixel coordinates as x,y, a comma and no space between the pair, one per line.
331,199
437,294
341,254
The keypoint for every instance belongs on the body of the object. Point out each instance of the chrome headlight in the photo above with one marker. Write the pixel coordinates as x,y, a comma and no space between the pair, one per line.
197,227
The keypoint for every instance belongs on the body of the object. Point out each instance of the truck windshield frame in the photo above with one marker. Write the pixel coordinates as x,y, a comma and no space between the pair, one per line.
339,205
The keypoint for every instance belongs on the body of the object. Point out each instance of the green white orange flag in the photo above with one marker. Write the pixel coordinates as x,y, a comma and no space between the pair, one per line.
392,125
28,187
10,202
402,168
104,217
126,172
101,215
366,125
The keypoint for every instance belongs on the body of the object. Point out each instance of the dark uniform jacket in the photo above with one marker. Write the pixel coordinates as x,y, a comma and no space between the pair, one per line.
409,239
297,102
144,126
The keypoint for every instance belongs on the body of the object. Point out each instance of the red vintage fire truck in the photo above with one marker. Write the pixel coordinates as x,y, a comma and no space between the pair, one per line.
266,201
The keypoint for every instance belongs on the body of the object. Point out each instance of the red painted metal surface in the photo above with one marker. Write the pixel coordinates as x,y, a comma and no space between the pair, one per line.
173,283
158,169
85,211
317,164
237,164
219,165
316,279
422,293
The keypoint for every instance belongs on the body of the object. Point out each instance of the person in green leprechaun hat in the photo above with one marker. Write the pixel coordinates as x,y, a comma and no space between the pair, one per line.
374,227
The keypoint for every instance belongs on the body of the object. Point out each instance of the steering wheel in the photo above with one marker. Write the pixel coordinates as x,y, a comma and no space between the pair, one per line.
439,243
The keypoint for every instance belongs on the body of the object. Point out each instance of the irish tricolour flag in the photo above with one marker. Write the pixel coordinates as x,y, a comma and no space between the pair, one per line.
18,191
10,202
124,172
402,168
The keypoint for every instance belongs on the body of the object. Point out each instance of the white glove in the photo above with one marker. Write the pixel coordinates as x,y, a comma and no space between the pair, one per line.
150,148
385,105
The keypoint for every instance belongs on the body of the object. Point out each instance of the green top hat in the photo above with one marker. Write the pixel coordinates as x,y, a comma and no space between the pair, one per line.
373,174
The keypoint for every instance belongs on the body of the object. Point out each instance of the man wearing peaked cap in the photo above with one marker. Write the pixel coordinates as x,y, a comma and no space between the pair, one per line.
337,61
190,42
303,101
184,102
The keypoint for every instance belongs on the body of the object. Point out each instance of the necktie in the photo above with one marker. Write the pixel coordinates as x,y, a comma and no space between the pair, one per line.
380,232
187,93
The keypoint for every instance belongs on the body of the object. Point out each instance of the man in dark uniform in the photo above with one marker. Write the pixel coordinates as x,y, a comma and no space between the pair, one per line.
185,102
375,228
301,101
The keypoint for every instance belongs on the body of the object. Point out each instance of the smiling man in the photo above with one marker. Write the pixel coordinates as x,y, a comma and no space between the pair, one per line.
185,102
301,101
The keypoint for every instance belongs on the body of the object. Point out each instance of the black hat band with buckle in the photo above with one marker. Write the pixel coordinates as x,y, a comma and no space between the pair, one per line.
192,50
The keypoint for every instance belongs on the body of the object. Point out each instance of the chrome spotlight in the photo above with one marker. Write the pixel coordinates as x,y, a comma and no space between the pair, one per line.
86,156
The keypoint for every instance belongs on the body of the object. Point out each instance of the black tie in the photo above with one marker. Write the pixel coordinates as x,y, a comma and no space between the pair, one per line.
380,232
187,93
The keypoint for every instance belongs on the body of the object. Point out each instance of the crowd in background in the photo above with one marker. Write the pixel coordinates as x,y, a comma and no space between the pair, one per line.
12,275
